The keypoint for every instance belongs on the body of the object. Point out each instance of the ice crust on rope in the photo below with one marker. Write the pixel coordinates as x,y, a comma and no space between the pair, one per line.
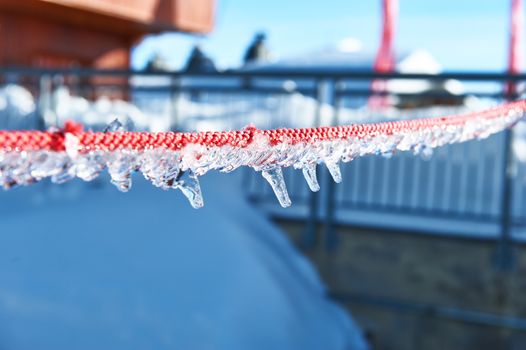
180,169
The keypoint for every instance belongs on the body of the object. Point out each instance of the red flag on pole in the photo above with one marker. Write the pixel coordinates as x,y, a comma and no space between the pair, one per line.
385,58
514,45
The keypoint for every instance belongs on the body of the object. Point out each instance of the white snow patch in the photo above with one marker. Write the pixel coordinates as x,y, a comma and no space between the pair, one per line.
95,268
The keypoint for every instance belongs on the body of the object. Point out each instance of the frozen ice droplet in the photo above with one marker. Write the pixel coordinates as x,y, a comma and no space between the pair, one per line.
89,166
188,183
426,153
334,169
387,154
120,168
65,175
161,167
123,182
55,165
309,172
114,126
274,176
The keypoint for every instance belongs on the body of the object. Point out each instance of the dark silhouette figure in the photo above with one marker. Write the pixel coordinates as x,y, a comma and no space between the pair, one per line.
257,51
199,62
157,64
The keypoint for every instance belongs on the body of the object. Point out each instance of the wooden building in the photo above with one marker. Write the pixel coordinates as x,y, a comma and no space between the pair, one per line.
91,33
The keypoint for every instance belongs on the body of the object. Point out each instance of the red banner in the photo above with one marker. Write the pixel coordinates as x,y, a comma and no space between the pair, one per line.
385,58
514,56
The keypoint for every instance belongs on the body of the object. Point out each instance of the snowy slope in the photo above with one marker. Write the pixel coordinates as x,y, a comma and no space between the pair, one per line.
86,267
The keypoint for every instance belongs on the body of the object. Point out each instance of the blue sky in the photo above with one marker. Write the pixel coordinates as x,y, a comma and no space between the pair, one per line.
461,34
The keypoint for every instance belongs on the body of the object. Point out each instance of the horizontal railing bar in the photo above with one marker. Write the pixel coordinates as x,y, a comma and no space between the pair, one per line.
201,89
259,89
427,309
374,228
423,95
418,210
283,73
517,222
273,90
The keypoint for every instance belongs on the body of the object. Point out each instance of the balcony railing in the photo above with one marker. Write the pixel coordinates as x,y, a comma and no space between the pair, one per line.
473,190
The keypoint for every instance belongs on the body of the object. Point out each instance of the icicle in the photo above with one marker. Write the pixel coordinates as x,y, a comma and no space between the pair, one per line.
66,174
44,164
387,154
426,153
57,166
161,167
188,183
123,182
89,166
309,172
120,169
274,176
334,169
121,166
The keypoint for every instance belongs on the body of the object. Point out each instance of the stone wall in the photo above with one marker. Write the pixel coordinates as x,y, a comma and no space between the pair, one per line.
406,289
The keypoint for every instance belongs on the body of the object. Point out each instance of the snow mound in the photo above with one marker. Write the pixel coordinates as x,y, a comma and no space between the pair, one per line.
17,108
96,114
93,268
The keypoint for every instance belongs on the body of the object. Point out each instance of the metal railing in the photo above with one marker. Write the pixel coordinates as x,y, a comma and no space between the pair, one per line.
475,189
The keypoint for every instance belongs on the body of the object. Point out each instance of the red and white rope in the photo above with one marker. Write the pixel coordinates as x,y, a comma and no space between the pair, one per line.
175,160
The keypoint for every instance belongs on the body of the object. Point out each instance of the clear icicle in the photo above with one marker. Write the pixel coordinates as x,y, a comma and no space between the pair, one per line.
309,172
122,183
56,166
388,154
426,153
120,169
66,174
334,169
160,167
188,183
45,164
89,166
274,176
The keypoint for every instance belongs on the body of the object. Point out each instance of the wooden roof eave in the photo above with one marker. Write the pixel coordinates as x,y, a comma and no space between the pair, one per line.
81,17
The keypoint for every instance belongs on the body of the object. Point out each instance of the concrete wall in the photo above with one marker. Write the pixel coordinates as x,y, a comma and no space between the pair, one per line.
370,270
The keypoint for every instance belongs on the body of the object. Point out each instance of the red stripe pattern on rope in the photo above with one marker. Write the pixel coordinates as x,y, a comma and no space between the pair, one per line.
109,141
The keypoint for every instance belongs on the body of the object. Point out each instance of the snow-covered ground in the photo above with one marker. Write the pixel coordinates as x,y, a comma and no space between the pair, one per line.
84,266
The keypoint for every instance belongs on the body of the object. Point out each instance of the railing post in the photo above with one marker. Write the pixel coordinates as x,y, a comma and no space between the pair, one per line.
44,102
175,93
504,255
309,234
10,78
330,235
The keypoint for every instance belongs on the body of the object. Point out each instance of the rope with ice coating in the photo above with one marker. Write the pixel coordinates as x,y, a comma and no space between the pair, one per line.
175,160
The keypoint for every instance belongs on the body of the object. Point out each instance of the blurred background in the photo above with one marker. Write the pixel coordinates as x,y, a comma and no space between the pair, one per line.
410,251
